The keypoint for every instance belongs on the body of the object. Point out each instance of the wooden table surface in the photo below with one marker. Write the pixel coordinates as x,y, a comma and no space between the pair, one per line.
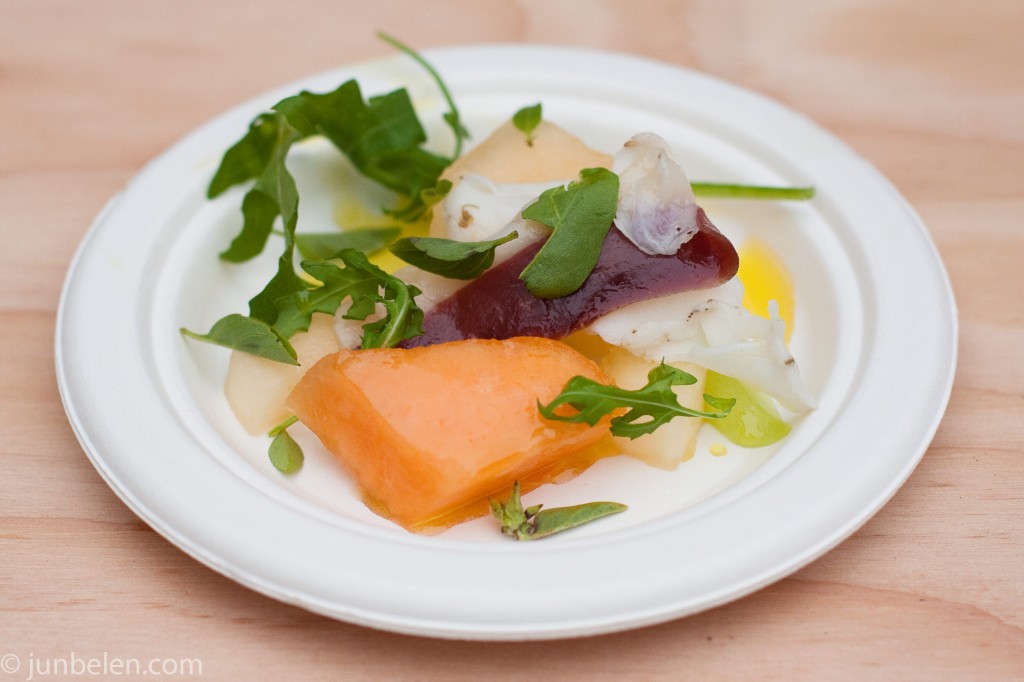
929,91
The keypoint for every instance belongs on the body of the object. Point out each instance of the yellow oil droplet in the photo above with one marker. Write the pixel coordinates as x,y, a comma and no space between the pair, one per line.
764,279
718,449
353,214
589,344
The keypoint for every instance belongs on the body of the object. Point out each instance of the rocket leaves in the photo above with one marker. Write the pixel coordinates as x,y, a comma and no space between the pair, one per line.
526,121
367,285
448,257
249,336
285,454
324,245
580,216
656,401
384,139
452,117
356,279
260,156
534,523
735,191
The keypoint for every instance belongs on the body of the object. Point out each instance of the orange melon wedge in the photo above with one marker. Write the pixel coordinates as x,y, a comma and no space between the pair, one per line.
427,431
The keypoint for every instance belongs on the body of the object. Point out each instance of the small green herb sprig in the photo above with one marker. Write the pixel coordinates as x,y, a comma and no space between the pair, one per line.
766,192
448,257
356,279
285,454
526,121
248,335
534,523
656,401
327,245
580,216
452,117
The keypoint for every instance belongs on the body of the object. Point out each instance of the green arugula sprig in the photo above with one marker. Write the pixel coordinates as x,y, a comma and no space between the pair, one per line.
382,137
580,216
436,194
359,280
403,319
533,523
656,401
255,337
452,118
325,245
285,454
526,121
734,191
448,257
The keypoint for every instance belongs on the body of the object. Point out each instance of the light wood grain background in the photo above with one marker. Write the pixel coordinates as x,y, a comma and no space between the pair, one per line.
930,91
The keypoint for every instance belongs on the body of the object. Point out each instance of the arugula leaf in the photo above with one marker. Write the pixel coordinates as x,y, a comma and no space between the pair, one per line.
533,523
360,281
580,215
250,336
403,319
382,137
260,156
324,245
733,191
294,312
274,194
415,210
447,257
284,284
437,193
655,400
452,118
526,120
247,158
285,454
285,423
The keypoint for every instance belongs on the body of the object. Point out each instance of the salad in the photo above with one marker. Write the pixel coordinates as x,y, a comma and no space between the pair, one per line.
541,305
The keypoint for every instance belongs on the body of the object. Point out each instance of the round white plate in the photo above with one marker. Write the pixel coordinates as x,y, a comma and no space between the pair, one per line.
875,336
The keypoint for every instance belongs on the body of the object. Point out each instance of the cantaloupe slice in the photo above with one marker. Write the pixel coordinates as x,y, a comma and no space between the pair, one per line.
427,431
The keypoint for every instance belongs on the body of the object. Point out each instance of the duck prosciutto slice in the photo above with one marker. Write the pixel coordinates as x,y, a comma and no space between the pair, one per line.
497,304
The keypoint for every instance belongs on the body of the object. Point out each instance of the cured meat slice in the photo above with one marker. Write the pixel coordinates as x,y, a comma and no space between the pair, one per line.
497,304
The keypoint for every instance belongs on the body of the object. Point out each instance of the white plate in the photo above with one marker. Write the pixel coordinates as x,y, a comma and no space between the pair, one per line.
875,336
